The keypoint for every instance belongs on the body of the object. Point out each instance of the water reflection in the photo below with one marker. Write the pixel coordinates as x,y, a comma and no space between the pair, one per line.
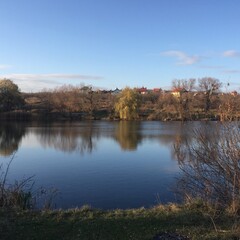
128,135
10,137
85,136
106,177
68,138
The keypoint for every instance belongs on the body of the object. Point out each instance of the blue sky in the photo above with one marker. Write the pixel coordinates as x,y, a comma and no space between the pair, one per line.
118,43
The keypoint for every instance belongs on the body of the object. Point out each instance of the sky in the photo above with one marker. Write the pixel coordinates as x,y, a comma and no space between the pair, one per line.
45,44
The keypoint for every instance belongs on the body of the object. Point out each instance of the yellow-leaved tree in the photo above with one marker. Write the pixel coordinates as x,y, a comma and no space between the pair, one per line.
127,104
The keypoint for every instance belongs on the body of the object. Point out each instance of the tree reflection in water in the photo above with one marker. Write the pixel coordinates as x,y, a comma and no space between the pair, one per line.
128,135
10,137
83,137
69,138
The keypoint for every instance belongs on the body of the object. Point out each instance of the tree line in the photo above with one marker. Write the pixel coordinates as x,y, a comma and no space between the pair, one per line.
188,99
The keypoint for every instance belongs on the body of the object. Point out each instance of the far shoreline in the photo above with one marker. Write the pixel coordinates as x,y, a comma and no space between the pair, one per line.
24,116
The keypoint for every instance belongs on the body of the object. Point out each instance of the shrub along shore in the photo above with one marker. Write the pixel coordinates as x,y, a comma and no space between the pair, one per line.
191,221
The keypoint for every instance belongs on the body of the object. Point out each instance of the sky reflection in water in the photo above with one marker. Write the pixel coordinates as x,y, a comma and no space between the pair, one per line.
103,164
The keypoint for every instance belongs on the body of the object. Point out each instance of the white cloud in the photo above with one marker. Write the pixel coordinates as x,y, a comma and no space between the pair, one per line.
182,57
231,71
37,82
231,53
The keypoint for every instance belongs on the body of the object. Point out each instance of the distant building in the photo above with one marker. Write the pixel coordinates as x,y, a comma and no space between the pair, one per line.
86,89
157,90
142,90
116,91
176,92
234,93
104,91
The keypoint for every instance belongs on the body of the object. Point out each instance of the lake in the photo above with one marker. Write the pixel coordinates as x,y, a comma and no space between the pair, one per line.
103,164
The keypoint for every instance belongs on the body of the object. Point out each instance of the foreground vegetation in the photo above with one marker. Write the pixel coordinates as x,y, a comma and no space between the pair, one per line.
195,221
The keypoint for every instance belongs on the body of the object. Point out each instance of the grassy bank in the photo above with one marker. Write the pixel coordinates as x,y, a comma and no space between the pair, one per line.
195,221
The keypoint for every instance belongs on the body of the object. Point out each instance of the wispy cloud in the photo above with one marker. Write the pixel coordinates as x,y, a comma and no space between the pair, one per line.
234,84
231,53
231,71
37,82
182,57
212,67
4,66
53,76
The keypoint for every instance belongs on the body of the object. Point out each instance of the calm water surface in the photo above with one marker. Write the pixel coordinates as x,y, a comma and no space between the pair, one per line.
104,164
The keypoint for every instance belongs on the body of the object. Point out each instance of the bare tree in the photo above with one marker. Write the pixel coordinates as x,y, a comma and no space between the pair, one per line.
165,107
67,98
184,88
211,166
187,84
209,86
228,107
